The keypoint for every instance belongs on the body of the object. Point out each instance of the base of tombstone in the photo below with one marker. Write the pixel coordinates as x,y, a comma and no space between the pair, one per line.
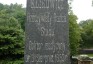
84,61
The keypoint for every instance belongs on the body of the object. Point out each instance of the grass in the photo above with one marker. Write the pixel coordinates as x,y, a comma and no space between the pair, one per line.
90,55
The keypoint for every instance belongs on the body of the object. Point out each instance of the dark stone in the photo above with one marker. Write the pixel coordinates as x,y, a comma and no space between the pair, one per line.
47,32
86,51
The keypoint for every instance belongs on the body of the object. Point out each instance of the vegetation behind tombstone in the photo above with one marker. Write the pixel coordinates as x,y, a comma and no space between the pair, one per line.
11,34
87,33
74,31
74,34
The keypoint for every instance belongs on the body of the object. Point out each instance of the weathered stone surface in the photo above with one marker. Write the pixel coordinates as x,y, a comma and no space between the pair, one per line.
47,32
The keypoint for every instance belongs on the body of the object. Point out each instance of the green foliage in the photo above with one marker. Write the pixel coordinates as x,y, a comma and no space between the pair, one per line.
87,33
16,11
74,34
19,13
11,36
7,61
1,6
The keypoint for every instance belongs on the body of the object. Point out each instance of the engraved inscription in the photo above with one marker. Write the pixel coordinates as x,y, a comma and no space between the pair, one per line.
47,32
39,3
47,58
27,58
39,18
45,18
35,45
47,4
60,18
54,46
41,58
47,46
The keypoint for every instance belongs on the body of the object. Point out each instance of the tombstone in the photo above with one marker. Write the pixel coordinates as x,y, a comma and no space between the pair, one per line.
47,33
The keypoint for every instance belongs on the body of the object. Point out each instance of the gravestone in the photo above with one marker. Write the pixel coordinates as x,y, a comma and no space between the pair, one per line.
47,33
